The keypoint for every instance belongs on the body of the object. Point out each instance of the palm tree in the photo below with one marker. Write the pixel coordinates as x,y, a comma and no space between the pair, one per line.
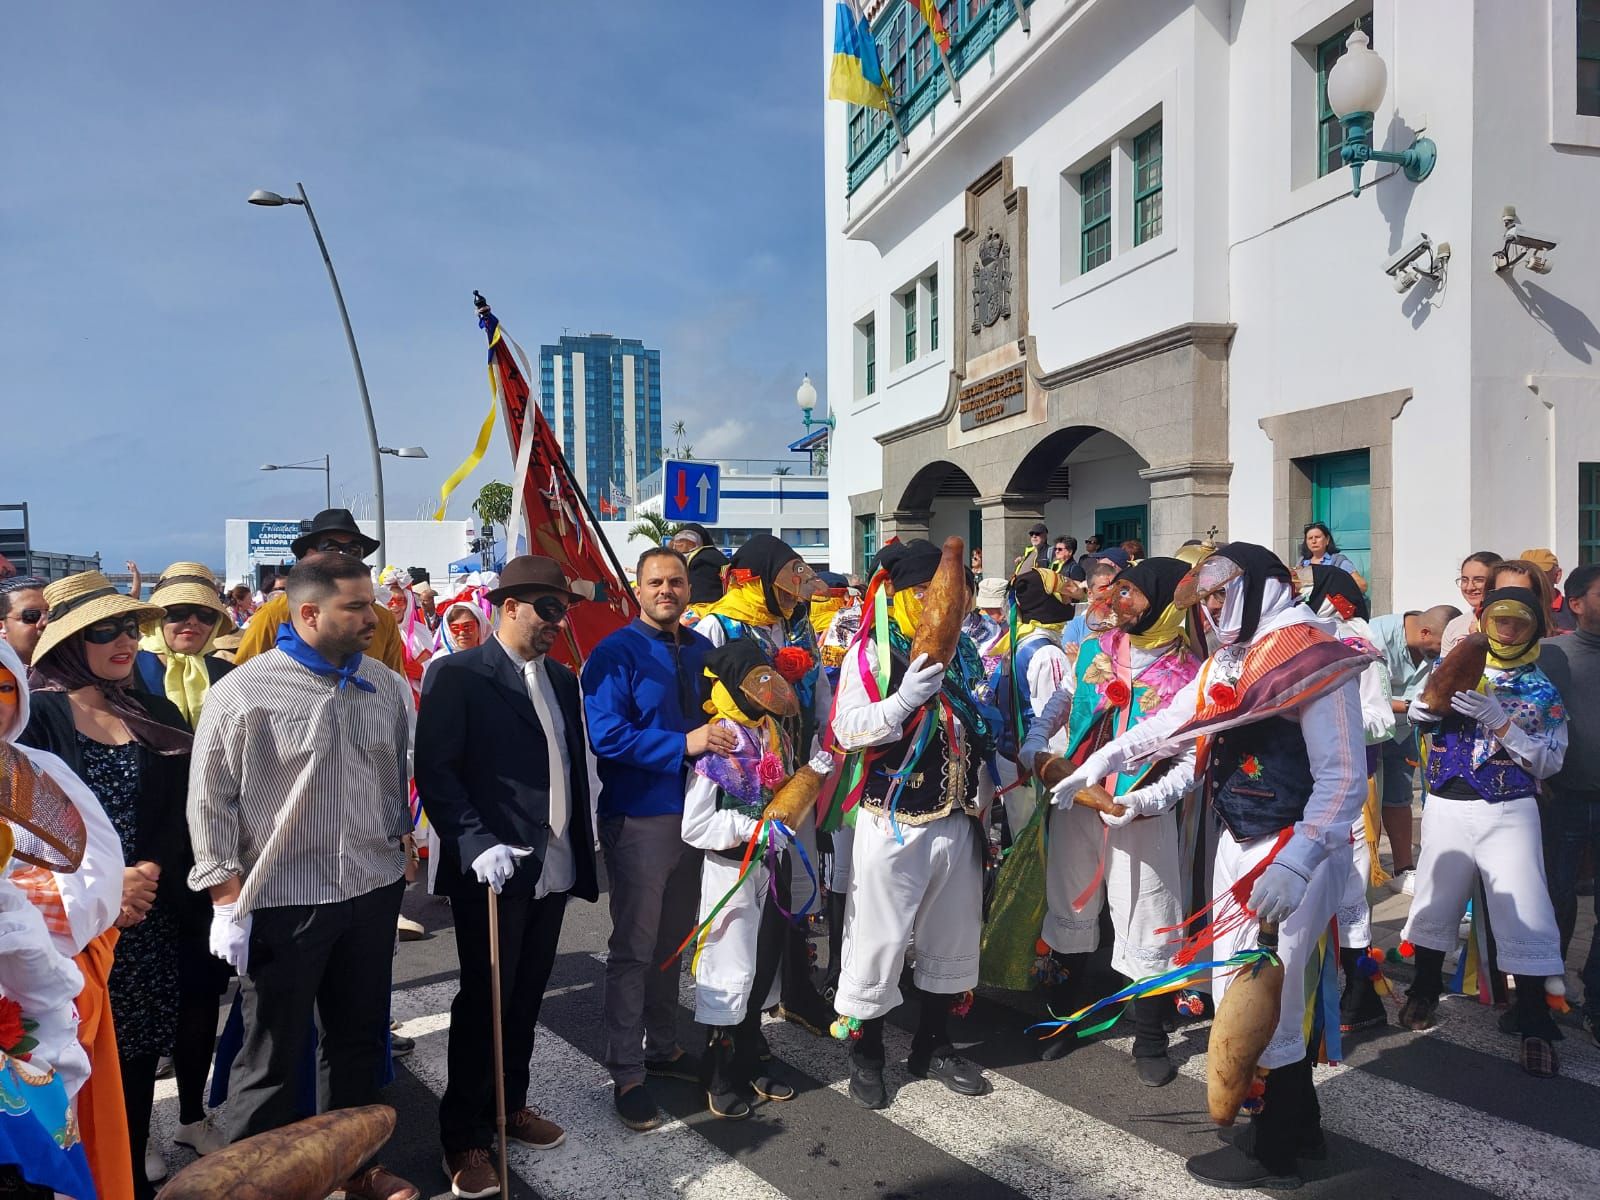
780,470
653,527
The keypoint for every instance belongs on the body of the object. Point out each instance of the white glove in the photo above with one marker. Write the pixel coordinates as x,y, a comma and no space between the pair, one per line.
497,864
779,836
1484,709
921,683
230,939
1420,714
1277,893
1137,803
1094,769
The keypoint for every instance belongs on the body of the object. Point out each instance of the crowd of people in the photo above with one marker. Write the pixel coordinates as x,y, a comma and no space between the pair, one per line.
1193,754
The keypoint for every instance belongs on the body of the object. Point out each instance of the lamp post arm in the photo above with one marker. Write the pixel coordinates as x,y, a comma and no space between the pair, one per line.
361,378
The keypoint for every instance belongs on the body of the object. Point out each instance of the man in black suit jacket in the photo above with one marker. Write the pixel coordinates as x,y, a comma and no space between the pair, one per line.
501,771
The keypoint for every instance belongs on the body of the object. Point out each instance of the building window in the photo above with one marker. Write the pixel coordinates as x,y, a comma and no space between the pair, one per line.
858,131
920,45
866,347
1588,512
867,531
1147,185
1341,498
1330,131
1094,190
933,312
908,307
1589,58
893,42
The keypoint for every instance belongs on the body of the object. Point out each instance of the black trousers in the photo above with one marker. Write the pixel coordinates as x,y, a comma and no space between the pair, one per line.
529,931
334,962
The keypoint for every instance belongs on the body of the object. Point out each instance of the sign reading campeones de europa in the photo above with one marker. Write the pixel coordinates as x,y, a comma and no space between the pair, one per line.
993,397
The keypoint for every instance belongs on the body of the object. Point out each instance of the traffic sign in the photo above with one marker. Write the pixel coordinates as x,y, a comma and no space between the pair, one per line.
690,491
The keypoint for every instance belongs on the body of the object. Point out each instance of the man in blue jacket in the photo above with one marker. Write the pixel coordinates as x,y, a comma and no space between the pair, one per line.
641,690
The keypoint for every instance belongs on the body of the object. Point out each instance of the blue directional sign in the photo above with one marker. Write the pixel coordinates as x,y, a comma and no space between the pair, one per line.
690,491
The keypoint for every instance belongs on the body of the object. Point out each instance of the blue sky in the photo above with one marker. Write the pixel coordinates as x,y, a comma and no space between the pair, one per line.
649,169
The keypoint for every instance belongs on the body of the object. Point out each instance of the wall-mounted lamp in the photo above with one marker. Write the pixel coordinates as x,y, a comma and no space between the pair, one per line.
1520,242
1355,89
1406,267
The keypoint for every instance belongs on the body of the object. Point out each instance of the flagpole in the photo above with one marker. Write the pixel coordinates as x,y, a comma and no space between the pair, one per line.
1022,15
955,88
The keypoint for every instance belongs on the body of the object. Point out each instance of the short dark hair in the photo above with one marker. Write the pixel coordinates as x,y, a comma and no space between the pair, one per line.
1069,541
318,575
17,583
1487,557
659,552
1577,584
1101,566
1134,547
1095,538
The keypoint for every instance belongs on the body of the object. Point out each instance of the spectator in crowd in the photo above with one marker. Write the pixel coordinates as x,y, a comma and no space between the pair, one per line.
1473,582
241,605
1066,558
1572,808
641,688
332,531
1410,643
302,851
1092,545
23,613
1134,549
1317,546
1561,619
502,771
975,562
131,749
427,600
1037,552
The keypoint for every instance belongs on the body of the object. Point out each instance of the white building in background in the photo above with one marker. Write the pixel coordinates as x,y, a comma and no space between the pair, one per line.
256,548
1124,286
754,498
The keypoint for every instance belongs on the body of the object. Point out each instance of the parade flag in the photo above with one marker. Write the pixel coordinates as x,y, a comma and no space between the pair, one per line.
559,521
857,75
941,41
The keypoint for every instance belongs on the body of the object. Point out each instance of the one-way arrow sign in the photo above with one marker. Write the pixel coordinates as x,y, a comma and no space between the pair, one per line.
690,491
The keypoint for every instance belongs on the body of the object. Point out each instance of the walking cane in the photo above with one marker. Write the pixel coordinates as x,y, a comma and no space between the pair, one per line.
499,1044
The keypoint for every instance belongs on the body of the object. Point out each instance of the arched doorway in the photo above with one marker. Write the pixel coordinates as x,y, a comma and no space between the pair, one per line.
1087,481
947,496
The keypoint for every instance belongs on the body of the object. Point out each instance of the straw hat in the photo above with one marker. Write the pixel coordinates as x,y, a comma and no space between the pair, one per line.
78,601
190,583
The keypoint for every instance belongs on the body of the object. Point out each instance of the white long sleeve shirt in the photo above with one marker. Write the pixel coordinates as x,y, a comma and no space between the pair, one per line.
705,826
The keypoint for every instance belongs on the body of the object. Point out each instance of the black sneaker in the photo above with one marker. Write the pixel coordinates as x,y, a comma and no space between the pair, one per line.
637,1110
1156,1071
1313,1146
1060,1046
686,1067
949,1068
770,1087
866,1084
730,1106
1419,1013
1234,1170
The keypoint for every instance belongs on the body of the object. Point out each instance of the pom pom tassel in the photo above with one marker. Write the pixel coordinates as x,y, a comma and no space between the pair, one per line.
1555,994
846,1029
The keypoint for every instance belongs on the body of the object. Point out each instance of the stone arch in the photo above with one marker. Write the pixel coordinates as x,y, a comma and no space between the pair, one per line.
932,480
1032,474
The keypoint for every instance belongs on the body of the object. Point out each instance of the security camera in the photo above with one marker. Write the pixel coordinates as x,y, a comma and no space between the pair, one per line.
1406,267
1407,256
1405,281
1520,243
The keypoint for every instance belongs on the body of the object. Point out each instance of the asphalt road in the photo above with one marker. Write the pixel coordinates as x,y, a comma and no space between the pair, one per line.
1443,1114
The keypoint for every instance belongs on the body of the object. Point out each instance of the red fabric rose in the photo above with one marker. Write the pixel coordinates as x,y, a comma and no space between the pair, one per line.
1223,695
11,1029
793,663
1118,694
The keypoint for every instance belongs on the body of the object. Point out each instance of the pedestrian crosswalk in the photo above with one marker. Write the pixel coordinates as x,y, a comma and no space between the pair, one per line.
1443,1114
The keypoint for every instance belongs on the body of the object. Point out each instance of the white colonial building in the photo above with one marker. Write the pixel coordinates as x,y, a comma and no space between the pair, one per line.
1123,286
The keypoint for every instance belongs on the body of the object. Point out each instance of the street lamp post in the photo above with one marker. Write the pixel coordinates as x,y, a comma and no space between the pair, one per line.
273,200
309,465
806,397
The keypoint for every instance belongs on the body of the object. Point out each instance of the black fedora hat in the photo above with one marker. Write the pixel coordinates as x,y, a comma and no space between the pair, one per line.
330,520
533,573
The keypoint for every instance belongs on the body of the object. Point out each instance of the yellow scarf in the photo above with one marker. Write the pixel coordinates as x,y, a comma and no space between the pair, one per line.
906,608
1501,656
187,681
1169,627
1054,628
746,603
823,610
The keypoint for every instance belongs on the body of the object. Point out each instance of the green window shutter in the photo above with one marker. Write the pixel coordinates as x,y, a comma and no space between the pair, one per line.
1588,512
910,305
1330,130
1147,185
933,311
1094,190
872,357
1588,58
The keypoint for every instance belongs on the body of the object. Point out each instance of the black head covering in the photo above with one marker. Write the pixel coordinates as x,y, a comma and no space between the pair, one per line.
1259,565
706,565
762,556
832,579
1524,596
1329,580
1158,579
1034,601
914,565
730,663
885,557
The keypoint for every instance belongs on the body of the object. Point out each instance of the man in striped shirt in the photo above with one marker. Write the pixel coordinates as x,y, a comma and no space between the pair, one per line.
297,807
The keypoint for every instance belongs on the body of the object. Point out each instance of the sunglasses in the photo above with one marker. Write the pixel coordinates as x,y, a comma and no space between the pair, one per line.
179,613
335,546
550,609
31,616
103,633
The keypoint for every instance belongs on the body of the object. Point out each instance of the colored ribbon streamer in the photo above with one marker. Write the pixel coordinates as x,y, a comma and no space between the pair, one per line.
479,449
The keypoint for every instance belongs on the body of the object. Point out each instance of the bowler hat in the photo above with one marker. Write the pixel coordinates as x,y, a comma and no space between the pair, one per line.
532,573
331,520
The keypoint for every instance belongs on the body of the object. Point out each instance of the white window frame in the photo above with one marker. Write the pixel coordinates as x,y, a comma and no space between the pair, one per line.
1567,126
865,326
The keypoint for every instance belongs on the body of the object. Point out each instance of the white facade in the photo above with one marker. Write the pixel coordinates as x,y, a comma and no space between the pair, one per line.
791,507
256,542
1226,358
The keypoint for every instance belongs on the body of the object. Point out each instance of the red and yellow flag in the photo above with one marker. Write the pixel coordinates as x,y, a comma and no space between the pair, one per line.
930,13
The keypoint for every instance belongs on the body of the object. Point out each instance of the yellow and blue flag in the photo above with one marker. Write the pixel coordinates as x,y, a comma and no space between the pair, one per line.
857,75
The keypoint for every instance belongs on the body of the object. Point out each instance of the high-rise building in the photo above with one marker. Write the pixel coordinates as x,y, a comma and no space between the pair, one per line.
602,396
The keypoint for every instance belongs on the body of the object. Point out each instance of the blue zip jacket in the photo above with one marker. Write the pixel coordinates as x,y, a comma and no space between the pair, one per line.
641,693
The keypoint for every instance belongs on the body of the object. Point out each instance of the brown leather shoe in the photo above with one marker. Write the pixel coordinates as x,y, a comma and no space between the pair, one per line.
472,1174
378,1183
526,1125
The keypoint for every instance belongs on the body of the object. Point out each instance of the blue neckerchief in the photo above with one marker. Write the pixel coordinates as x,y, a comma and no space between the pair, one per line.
292,644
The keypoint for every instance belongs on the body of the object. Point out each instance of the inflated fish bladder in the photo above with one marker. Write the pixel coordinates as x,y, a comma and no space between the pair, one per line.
1245,1021
945,604
796,800
303,1161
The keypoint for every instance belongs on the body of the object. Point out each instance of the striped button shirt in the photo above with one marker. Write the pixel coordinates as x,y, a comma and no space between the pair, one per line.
298,786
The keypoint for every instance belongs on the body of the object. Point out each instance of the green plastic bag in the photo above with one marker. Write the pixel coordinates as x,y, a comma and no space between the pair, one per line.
1017,910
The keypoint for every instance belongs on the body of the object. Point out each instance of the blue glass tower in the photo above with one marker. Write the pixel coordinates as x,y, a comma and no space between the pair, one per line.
602,396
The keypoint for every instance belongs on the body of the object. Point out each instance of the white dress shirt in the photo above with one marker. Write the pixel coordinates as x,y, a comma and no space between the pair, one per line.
559,872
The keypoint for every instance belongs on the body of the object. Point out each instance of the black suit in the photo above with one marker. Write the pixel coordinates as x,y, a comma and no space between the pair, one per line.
483,774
